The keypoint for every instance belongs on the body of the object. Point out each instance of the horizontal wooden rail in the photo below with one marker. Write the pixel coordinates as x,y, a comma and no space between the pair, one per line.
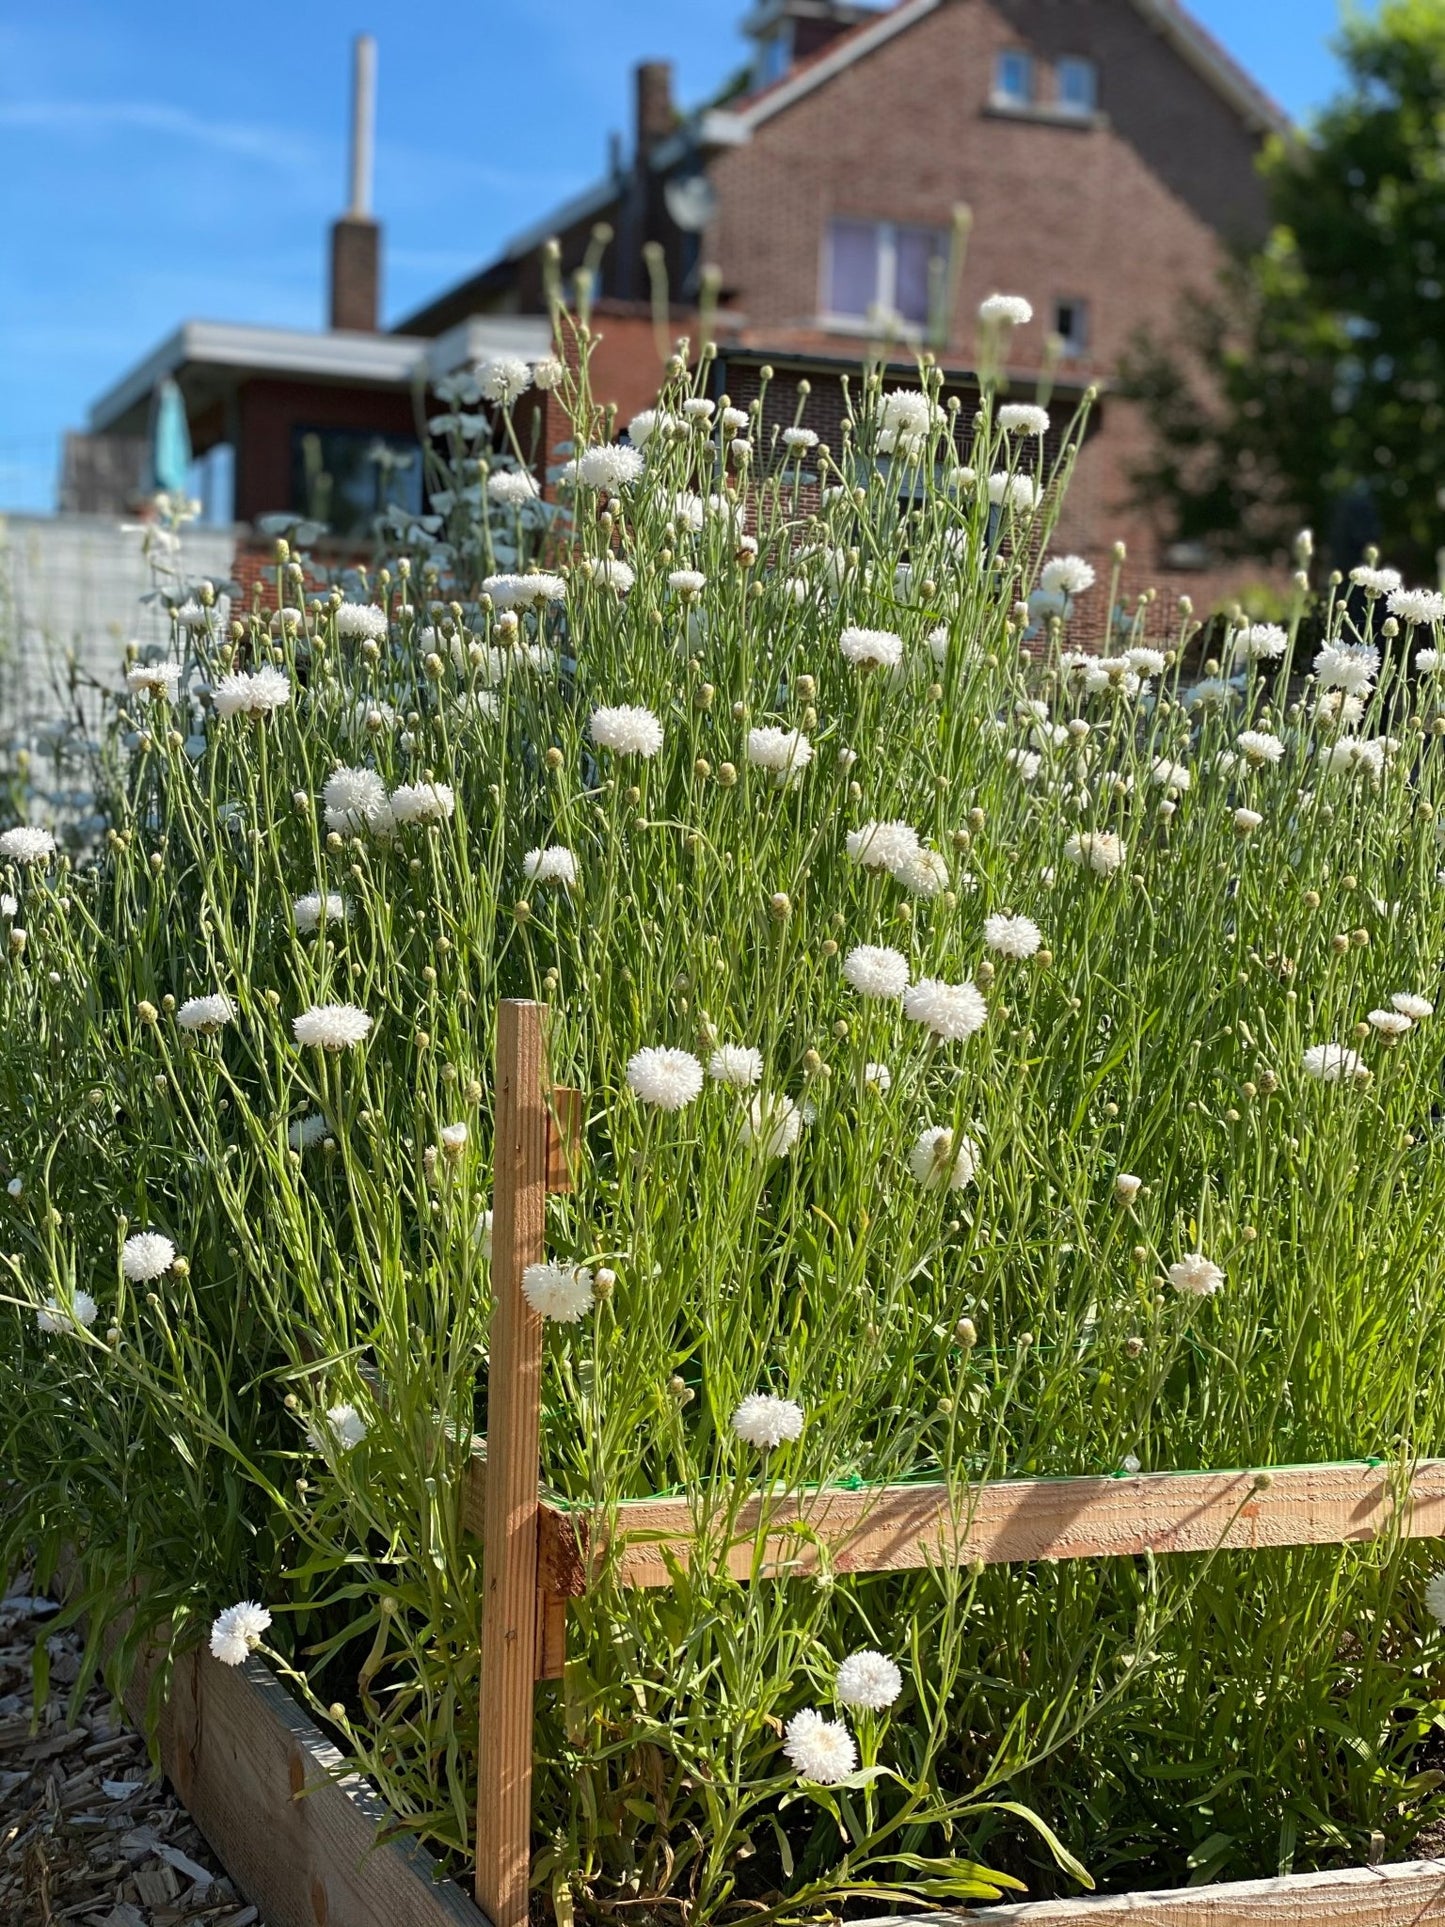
895,1528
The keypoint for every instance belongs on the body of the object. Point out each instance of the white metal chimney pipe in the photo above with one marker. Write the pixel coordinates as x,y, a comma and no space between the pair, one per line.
363,125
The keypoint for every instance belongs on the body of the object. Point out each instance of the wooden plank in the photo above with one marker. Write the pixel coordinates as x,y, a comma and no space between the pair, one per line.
509,1532
895,1528
294,1827
551,1633
564,1138
1399,1894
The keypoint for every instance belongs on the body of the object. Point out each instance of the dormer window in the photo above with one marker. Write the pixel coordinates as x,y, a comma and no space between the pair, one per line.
1076,86
1013,79
775,55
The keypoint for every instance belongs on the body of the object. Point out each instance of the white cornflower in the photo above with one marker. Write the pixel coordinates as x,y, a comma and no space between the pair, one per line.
1170,775
668,1079
331,1026
1258,747
523,591
206,1013
1023,418
146,1255
1247,821
563,1293
611,571
1019,492
773,1124
1017,937
346,1426
63,1315
819,1750
511,487
1352,667
160,680
1127,1187
361,622
26,844
423,802
1097,850
9,906
192,615
1213,693
687,581
737,1065
868,1681
1390,1023
871,648
937,1163
907,412
698,408
1377,581
785,753
628,730
1066,575
1011,308
1027,762
937,640
644,425
548,373
953,1012
883,846
1195,1276
876,971
555,864
1417,605
1331,1063
312,910
1354,755
924,874
354,799
237,1632
482,1232
799,439
766,1422
303,1132
1260,641
1412,1006
504,379
252,693
611,466
453,1136
1146,662
1427,661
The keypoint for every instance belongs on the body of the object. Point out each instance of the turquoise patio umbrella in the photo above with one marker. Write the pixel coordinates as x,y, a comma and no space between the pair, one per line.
170,440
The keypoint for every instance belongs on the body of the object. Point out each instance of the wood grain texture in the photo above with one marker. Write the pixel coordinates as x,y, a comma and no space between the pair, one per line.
894,1528
509,1532
293,1826
564,1138
1400,1894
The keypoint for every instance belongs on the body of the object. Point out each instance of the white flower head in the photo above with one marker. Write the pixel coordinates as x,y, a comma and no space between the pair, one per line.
611,466
26,844
799,439
938,1163
331,1027
953,1012
924,874
313,910
667,1079
257,692
159,680
354,800
883,846
1376,581
876,971
512,487
1350,666
784,753
627,730
504,378
361,622
871,648
1023,418
58,1315
345,1429
146,1255
1259,746
1332,1063
523,591
206,1014
1194,1276
1416,606
1247,821
1415,1007
868,1681
548,373
1169,775
689,582
1011,309
767,1422
738,1066
773,1123
238,1631
1127,1187
562,1293
303,1132
555,864
423,803
1260,641
1390,1023
1016,937
878,1077
1066,575
1019,492
818,1749
1097,850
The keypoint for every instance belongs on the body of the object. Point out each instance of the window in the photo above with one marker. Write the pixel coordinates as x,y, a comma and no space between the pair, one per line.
1013,80
877,269
775,56
1076,86
344,477
1071,325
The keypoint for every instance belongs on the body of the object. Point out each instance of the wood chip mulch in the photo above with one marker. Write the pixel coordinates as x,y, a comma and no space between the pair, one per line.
88,1833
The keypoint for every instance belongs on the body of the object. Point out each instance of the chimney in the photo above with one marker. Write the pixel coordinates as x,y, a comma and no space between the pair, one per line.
655,115
356,237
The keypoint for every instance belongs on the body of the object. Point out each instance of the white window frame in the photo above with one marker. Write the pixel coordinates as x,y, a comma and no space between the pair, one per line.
883,315
1082,64
998,95
1076,345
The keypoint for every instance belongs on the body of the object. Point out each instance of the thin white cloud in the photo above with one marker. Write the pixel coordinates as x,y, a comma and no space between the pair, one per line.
251,141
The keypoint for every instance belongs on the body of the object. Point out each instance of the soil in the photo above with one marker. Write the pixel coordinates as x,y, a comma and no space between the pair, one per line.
89,1833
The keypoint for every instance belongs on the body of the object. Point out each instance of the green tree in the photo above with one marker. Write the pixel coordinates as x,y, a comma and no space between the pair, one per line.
1311,386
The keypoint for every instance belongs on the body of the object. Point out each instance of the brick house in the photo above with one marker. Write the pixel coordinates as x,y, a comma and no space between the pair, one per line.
1105,148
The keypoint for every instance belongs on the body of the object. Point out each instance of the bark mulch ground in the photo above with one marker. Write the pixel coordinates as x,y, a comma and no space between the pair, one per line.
88,1833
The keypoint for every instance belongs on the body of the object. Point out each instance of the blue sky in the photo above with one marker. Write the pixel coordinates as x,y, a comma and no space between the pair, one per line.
185,161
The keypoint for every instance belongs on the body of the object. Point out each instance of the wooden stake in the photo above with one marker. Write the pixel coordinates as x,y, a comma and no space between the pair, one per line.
514,1410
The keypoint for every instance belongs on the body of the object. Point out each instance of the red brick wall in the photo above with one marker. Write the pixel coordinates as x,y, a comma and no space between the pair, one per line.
269,410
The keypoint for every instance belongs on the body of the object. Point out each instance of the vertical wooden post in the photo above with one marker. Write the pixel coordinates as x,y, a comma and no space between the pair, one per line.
514,1407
